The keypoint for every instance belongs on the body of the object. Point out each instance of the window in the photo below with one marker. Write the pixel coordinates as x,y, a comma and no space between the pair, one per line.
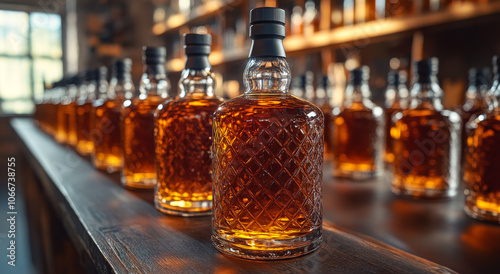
30,54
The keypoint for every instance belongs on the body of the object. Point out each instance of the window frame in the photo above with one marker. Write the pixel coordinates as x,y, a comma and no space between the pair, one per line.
29,10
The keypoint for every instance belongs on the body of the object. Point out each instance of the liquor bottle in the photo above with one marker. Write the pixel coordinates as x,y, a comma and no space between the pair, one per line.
106,135
396,100
482,191
267,157
490,94
84,125
310,18
348,14
324,94
66,113
358,131
297,21
337,13
475,103
426,140
138,122
183,132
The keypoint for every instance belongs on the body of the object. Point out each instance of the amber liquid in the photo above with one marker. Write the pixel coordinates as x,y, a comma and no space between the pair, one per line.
389,124
468,112
483,163
183,156
108,154
139,142
426,151
268,157
66,123
84,146
328,132
358,133
61,132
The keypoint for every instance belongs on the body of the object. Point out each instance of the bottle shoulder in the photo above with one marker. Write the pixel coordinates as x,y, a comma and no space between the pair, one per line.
429,115
266,106
187,106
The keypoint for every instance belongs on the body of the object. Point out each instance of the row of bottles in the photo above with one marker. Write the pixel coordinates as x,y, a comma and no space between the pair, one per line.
255,162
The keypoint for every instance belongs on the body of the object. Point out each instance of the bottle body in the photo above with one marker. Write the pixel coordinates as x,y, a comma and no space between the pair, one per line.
426,148
482,190
183,156
137,123
389,124
358,132
358,135
108,154
268,154
84,145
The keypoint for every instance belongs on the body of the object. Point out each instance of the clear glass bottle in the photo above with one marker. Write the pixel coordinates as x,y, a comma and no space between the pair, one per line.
426,140
138,122
267,157
482,191
183,132
358,131
490,94
66,113
396,100
324,94
108,153
84,125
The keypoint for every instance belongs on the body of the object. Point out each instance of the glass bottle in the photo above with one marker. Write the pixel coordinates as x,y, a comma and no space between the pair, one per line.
85,146
138,122
358,131
474,104
183,132
396,100
426,140
482,191
310,18
324,94
267,157
490,94
106,135
66,114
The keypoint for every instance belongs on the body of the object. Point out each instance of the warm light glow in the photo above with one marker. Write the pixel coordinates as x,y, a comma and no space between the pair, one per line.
176,64
176,20
159,28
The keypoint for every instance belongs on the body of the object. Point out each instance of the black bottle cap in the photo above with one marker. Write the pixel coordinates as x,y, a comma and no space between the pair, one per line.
122,68
496,65
427,66
267,25
154,55
360,75
324,81
197,44
396,77
88,75
479,77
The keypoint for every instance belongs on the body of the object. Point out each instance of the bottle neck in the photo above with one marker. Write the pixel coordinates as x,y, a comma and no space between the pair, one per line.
267,75
154,81
198,83
396,93
426,93
121,87
357,92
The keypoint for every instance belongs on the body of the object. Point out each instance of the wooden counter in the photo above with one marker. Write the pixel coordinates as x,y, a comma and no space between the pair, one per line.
121,231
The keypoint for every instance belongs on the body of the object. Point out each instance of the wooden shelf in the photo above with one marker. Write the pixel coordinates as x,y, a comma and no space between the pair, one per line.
176,21
361,33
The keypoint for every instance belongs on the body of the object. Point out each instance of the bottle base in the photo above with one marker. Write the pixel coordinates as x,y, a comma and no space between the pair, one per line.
268,249
185,208
424,193
473,210
357,175
139,181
